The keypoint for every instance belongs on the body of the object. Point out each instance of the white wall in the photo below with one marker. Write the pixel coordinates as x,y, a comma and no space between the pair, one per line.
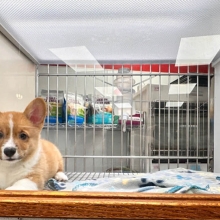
17,76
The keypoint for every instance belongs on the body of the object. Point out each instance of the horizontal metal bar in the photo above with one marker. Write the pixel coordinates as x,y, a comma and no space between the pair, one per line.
97,73
136,157
89,126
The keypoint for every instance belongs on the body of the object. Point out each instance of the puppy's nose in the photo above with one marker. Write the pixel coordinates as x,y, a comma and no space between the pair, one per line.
9,151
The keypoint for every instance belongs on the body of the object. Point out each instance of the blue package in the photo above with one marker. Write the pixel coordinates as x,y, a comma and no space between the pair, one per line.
53,120
101,118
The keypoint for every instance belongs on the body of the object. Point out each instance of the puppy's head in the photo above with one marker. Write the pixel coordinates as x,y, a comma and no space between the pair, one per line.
20,132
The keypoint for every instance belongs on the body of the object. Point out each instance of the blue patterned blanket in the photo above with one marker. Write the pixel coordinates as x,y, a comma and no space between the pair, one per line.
178,180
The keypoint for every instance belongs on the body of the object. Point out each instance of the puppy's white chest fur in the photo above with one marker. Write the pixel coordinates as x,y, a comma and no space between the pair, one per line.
10,171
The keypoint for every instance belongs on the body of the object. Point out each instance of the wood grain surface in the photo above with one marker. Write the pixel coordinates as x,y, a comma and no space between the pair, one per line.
77,205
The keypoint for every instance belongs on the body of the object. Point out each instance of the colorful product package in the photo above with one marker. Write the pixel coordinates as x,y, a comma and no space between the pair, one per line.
54,103
74,107
102,112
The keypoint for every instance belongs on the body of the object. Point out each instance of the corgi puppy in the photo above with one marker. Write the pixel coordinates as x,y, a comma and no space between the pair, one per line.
26,160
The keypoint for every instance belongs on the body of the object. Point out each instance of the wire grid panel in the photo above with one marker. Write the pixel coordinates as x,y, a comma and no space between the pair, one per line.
128,118
76,176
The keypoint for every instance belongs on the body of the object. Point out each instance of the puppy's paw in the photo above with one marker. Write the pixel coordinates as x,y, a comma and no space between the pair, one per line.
60,176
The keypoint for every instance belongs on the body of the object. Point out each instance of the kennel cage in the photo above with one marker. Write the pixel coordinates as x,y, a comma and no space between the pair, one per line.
129,118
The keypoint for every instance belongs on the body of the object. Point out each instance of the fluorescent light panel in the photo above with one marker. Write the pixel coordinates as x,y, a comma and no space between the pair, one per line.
123,105
198,50
174,104
176,89
109,91
76,56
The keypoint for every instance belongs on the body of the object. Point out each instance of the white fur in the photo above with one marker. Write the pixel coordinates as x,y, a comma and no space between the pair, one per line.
12,171
23,184
60,176
10,143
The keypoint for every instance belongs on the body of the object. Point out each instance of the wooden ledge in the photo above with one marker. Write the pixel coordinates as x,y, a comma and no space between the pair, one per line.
72,205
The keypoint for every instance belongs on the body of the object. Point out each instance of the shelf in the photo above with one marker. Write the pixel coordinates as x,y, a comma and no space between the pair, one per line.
64,126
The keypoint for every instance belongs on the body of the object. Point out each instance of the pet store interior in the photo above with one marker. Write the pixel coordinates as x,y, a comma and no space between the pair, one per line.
131,87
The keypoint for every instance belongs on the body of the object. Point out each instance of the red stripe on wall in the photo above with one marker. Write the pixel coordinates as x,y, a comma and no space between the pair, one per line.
163,68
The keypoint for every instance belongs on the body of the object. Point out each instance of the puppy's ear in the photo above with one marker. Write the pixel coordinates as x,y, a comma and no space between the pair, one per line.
36,111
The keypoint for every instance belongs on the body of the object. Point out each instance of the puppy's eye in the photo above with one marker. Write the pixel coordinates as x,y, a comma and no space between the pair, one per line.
23,136
1,135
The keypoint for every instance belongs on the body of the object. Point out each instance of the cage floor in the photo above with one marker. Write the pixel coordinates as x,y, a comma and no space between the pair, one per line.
77,176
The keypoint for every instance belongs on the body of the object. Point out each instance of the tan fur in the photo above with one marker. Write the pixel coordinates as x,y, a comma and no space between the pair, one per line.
30,123
50,163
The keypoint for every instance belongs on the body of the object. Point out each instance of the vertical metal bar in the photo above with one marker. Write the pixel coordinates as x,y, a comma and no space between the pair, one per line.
182,131
190,129
144,142
57,104
159,120
66,119
130,134
204,132
103,117
178,122
168,132
94,128
164,129
187,124
112,147
141,147
208,109
197,121
122,118
84,130
149,116
173,122
75,136
37,81
48,98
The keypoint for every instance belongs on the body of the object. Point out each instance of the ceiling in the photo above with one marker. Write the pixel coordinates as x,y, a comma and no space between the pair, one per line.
111,30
